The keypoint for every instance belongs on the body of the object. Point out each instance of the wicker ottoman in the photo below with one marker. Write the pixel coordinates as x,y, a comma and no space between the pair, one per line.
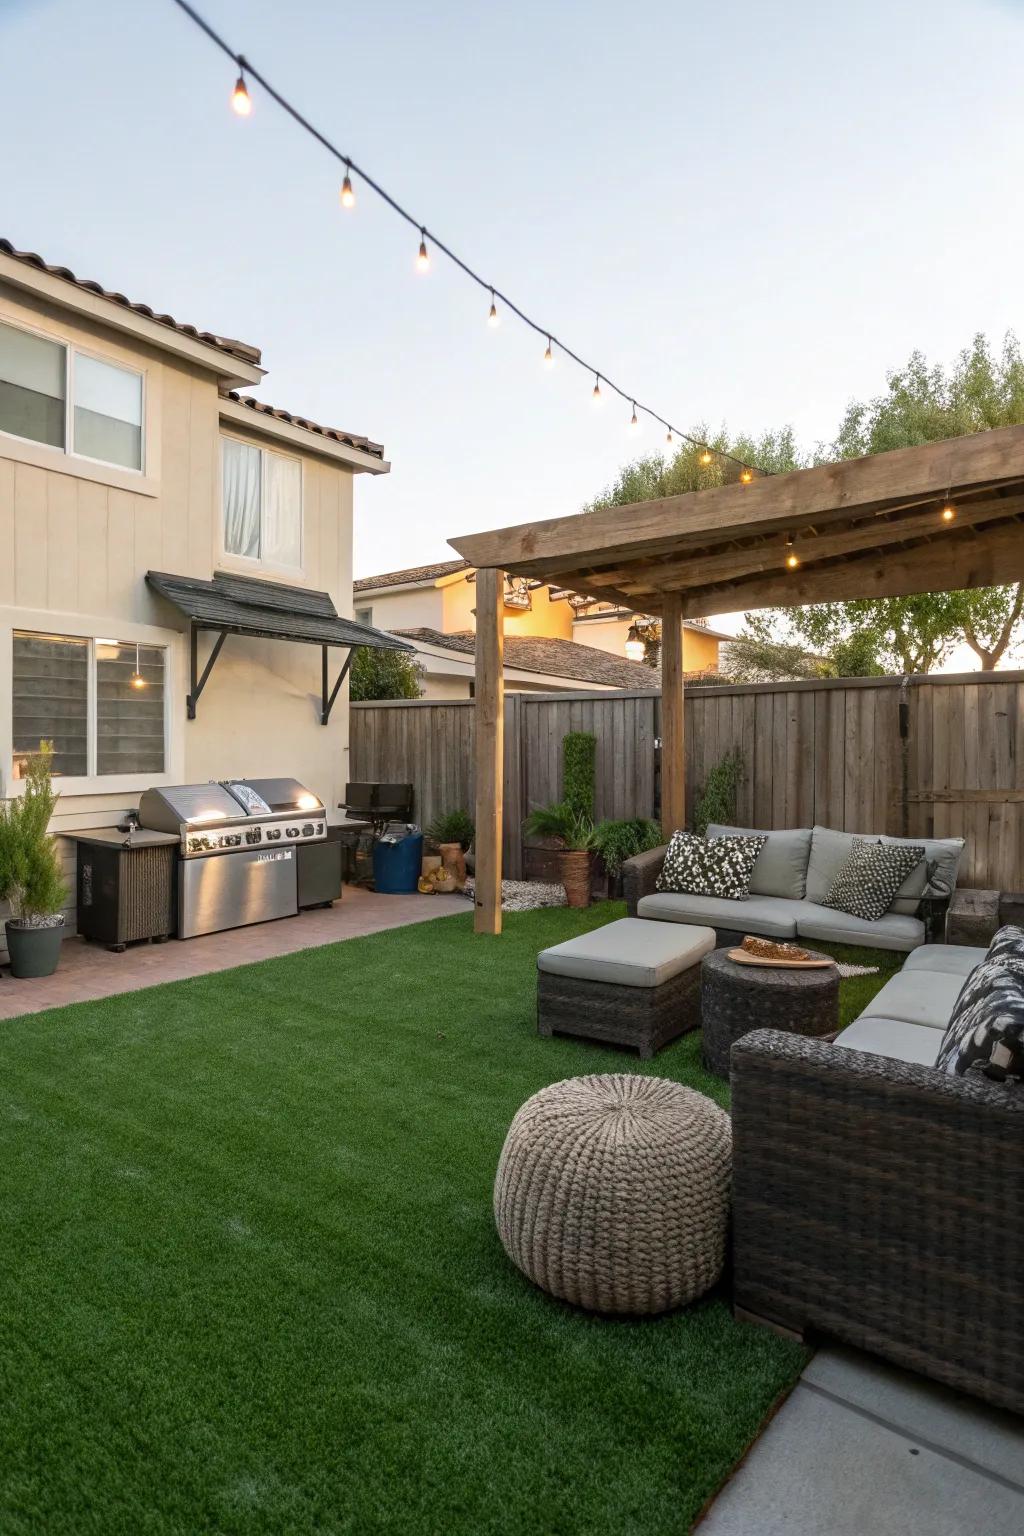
632,983
738,998
612,1192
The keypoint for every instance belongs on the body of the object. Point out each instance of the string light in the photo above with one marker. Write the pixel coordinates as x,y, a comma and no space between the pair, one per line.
633,423
242,104
746,475
948,512
137,680
241,101
493,317
792,558
596,395
668,440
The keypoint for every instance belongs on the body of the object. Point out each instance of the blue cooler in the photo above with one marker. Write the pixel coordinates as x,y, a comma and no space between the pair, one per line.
396,864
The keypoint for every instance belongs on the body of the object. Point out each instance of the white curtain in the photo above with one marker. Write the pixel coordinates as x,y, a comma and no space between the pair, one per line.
241,476
281,543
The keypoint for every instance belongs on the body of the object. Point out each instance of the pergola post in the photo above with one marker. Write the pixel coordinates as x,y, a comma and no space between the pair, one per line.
490,730
673,741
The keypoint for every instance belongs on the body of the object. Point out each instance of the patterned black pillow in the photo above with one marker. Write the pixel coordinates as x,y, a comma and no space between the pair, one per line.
718,866
985,1032
867,883
1008,944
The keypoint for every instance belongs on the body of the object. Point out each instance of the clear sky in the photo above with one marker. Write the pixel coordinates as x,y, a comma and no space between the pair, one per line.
744,212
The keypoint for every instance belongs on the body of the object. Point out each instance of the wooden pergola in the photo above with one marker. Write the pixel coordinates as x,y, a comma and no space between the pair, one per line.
940,517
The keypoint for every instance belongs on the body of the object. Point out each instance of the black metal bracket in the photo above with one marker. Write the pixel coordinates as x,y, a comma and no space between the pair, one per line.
197,683
327,700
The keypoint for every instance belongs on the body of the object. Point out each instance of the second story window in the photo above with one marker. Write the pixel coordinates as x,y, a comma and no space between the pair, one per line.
55,394
262,505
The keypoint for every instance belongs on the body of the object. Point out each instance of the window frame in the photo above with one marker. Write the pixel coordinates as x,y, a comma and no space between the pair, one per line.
67,626
67,450
255,565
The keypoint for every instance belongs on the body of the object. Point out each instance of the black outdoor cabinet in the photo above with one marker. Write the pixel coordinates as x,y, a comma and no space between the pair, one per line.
125,889
319,872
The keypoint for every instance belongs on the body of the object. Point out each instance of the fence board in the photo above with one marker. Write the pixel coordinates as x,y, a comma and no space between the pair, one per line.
829,752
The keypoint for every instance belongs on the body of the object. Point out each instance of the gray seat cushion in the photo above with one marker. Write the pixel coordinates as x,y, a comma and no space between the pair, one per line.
917,997
891,1037
629,953
772,916
781,867
893,931
955,959
935,875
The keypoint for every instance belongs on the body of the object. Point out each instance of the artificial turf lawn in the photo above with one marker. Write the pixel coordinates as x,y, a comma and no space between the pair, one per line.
249,1279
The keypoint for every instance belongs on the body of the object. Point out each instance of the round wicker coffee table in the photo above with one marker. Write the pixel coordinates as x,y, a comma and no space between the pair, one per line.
612,1192
738,998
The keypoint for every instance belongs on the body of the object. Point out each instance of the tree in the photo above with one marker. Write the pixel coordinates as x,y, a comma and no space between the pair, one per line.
377,674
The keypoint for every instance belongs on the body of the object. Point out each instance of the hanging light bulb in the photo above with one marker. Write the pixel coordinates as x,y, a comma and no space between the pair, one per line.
948,512
493,318
241,101
634,425
137,680
746,475
669,441
596,394
348,197
423,259
792,558
635,648
549,357
705,457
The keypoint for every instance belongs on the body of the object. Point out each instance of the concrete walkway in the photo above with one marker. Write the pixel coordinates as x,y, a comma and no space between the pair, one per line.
89,970
862,1449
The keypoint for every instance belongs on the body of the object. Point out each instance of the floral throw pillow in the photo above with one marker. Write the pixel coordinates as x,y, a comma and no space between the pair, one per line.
866,884
985,1032
717,866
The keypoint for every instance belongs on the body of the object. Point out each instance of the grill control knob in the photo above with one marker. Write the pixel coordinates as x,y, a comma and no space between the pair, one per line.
291,831
308,829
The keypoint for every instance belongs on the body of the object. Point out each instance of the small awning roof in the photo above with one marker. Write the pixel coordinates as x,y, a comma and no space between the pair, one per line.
243,605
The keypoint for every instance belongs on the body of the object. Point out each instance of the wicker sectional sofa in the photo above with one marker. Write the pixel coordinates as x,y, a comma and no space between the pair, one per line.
878,1200
790,880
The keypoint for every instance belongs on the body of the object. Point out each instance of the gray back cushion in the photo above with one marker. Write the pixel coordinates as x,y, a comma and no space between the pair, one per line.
781,867
935,875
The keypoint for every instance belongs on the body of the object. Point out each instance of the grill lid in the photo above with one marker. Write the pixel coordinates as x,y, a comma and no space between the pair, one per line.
164,810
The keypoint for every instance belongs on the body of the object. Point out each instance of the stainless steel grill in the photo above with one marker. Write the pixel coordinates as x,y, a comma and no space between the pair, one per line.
237,847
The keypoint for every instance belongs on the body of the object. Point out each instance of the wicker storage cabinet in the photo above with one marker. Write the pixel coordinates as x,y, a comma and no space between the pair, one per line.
126,890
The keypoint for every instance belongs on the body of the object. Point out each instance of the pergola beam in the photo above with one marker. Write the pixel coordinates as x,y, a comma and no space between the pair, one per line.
673,741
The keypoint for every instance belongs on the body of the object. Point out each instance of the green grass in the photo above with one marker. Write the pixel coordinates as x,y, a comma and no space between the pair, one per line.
249,1279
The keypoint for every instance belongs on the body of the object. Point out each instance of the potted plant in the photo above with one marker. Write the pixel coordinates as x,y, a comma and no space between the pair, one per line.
573,831
453,833
30,876
617,841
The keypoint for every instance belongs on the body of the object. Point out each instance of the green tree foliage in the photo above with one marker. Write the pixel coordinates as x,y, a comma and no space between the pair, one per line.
383,675
579,752
30,877
716,801
921,403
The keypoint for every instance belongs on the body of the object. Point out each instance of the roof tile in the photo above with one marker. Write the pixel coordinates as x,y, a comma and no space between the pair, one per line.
552,657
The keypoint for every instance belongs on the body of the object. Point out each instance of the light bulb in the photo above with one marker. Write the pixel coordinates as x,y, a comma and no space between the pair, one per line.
635,647
493,317
423,259
948,512
634,425
596,395
348,197
241,101
669,444
137,680
746,475
549,360
792,558
705,457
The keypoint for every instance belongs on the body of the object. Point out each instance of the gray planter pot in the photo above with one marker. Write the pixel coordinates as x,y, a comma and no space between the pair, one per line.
33,951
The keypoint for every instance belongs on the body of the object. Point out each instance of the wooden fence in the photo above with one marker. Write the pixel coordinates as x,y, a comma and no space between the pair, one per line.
923,756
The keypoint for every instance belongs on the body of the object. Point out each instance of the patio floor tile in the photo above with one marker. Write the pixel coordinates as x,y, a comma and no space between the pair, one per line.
89,971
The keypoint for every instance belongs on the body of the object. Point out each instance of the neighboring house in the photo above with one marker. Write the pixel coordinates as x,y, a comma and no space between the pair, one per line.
434,605
126,454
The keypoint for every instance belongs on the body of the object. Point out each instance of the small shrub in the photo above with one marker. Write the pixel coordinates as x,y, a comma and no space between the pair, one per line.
30,877
574,831
383,675
452,827
617,841
579,749
717,800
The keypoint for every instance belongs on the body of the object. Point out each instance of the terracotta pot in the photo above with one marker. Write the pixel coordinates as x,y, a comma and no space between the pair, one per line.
454,861
574,873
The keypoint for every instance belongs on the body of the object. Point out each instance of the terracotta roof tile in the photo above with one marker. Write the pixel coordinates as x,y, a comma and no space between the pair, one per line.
552,657
239,349
335,434
411,574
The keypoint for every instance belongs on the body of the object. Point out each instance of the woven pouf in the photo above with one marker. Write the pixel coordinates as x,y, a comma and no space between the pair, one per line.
613,1192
